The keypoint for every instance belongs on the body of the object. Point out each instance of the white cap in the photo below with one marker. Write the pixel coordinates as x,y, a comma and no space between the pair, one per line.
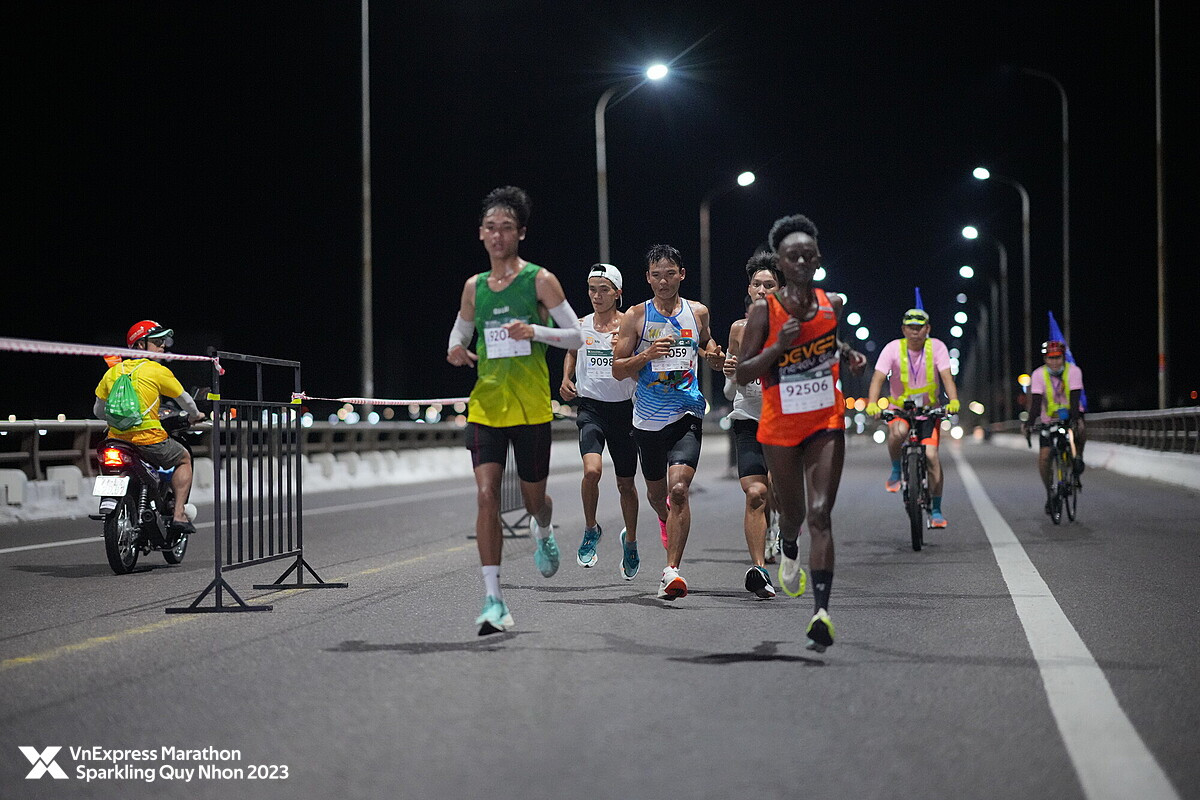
606,271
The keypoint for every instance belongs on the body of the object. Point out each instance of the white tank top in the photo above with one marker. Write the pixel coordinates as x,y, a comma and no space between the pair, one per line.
593,366
747,403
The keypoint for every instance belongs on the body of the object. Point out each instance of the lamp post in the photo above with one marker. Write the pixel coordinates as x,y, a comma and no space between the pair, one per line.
982,174
744,179
970,232
368,330
1066,199
654,73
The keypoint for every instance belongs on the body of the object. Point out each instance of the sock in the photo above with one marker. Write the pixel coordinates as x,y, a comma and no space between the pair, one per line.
491,580
541,531
822,583
896,467
936,503
790,547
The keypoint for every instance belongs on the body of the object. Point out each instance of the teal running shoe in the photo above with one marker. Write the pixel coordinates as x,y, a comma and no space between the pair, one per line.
545,556
495,617
587,549
630,561
820,631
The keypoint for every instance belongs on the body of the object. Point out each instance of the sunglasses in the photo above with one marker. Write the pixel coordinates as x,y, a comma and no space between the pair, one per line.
915,321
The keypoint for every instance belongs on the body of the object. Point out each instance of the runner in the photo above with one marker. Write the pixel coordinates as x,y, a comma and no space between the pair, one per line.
605,415
762,272
511,398
660,342
790,342
915,363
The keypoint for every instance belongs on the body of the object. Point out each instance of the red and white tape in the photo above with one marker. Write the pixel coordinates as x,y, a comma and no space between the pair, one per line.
380,401
67,349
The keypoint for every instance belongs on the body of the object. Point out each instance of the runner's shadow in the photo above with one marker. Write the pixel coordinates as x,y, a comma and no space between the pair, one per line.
767,651
483,643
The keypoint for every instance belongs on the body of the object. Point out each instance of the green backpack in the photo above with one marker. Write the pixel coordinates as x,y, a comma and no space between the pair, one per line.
123,410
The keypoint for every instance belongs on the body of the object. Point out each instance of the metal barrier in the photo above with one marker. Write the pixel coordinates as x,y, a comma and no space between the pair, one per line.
1171,430
258,506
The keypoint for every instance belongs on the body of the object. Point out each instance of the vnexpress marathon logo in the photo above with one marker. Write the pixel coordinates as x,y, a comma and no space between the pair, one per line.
43,763
150,764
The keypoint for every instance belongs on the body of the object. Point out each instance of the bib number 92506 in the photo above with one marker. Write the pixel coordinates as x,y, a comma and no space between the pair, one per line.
806,394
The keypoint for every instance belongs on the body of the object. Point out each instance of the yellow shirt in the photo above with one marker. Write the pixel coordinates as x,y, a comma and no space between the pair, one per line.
150,381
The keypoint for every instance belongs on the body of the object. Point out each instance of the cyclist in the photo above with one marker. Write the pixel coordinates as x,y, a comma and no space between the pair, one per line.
152,381
605,417
916,364
1062,401
762,274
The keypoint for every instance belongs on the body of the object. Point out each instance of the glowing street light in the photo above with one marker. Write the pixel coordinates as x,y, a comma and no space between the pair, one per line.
966,271
655,72
982,174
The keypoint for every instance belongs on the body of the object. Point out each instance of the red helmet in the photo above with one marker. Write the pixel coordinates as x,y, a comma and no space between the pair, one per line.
146,328
1054,348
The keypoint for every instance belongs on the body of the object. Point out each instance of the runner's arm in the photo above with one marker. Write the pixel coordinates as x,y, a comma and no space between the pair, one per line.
464,326
567,389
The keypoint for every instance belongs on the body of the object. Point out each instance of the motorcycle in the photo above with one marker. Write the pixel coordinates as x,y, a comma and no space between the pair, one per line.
137,501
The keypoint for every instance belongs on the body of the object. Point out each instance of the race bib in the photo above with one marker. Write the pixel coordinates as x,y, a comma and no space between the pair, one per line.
599,364
752,389
678,360
499,345
806,392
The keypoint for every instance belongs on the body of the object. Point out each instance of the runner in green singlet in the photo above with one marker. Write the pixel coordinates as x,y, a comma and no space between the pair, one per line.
507,307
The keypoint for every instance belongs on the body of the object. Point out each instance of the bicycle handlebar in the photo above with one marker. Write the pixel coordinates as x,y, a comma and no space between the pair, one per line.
910,414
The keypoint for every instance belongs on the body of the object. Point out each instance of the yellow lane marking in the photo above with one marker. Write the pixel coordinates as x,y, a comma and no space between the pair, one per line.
97,641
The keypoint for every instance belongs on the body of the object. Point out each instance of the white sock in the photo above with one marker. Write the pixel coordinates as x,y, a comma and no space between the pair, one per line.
541,531
491,580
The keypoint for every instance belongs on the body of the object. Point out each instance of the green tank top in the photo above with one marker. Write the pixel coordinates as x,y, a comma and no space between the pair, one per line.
513,384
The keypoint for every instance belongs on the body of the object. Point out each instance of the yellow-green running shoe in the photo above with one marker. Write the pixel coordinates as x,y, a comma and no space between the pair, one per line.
792,578
820,631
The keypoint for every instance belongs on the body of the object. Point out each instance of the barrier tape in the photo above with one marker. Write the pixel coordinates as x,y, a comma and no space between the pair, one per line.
378,401
65,349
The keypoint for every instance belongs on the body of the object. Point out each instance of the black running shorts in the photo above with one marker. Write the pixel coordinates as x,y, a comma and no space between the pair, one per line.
678,443
750,458
530,444
601,422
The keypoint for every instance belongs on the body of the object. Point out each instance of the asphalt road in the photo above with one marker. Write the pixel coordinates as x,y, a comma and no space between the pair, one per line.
1011,658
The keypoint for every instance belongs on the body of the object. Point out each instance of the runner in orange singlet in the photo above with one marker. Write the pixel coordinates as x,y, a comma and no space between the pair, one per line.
790,341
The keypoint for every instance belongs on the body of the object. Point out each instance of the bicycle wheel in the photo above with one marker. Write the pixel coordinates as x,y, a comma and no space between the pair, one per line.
1056,481
912,498
1070,497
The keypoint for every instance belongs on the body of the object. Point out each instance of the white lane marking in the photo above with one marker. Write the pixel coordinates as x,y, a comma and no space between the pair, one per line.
1110,758
391,501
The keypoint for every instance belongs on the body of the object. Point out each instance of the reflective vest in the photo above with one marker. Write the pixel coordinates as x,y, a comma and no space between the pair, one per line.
1051,406
930,386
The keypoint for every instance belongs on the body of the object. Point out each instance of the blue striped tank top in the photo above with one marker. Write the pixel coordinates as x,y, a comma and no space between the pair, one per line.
668,388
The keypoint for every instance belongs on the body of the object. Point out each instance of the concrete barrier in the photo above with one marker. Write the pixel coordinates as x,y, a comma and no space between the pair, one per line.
71,478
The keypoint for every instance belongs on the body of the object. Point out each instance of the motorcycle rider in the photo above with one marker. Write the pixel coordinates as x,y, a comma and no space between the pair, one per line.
151,381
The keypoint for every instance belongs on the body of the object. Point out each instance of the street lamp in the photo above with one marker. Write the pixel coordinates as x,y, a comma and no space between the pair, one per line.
655,73
368,330
1066,198
743,180
982,174
970,232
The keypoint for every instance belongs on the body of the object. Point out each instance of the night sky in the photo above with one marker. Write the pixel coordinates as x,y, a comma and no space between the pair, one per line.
199,164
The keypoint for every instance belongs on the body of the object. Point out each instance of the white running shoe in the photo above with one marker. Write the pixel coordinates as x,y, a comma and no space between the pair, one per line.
673,585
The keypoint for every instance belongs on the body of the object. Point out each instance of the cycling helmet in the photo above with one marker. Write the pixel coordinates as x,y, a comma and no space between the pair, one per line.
916,316
1054,348
146,329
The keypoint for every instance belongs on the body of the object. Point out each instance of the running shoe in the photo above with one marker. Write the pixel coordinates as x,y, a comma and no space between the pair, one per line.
495,617
630,562
936,520
759,583
545,554
892,484
587,549
771,552
673,585
820,631
792,578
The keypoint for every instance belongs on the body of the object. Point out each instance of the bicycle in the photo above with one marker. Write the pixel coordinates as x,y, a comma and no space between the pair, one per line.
1061,492
914,464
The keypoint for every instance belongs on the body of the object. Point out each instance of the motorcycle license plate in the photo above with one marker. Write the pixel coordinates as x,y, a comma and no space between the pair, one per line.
110,485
